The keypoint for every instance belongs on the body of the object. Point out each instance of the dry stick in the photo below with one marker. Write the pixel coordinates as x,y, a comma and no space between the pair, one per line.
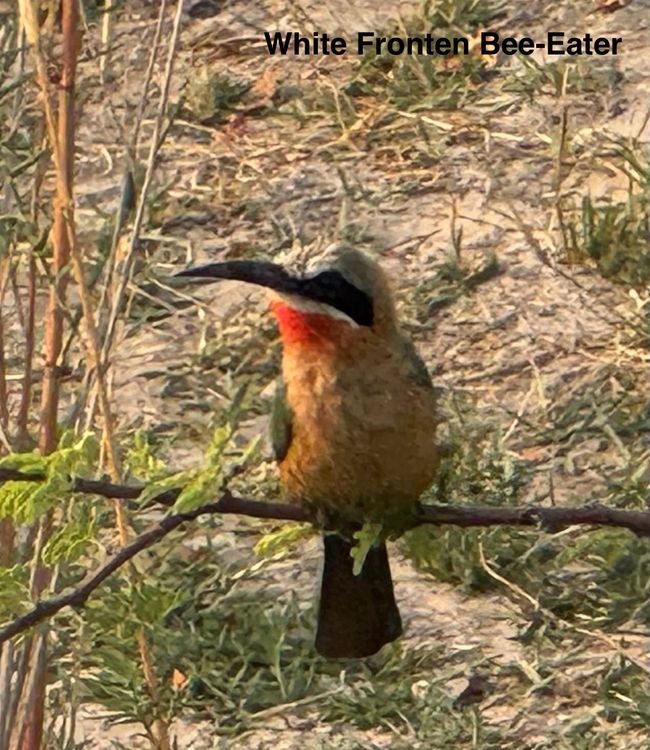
7,534
127,264
135,140
26,388
132,149
29,720
17,667
22,431
4,411
54,317
160,728
6,673
106,38
596,635
92,345
11,672
434,514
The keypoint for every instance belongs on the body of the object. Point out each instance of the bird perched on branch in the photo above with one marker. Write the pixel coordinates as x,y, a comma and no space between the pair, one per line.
352,427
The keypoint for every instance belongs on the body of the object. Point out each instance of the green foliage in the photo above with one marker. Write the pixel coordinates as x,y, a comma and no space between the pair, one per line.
479,470
70,541
242,648
211,96
26,501
210,479
624,693
599,577
451,281
411,81
223,459
14,589
245,649
283,539
613,234
367,536
200,485
609,568
140,459
566,76
197,485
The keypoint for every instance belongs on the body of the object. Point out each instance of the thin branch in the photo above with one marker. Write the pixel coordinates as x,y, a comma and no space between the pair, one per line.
637,521
127,264
46,608
4,411
552,518
131,158
22,435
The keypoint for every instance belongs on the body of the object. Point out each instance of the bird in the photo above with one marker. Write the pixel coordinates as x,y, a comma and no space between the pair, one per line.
352,427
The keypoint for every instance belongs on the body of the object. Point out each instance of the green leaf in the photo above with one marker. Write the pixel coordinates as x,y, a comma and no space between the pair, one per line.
206,485
220,440
141,460
26,462
70,541
366,537
173,481
283,539
14,589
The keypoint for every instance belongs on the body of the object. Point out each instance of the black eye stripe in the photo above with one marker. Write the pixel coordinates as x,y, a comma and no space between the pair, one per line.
331,288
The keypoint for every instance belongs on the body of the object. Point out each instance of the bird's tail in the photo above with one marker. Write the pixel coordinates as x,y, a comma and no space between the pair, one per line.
357,614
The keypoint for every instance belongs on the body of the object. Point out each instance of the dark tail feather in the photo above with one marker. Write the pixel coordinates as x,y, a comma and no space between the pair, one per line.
357,614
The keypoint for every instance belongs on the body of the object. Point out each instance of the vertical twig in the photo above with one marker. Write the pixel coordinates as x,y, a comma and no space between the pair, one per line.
31,710
160,728
107,23
26,389
125,274
132,152
4,409
29,724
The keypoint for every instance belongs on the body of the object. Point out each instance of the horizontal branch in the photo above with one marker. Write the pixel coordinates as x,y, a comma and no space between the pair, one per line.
553,518
459,515
226,504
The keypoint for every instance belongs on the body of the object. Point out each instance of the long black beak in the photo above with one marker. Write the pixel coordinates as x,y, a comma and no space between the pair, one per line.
259,272
327,287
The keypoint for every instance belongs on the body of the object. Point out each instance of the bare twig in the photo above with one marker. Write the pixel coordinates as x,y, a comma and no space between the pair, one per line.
125,275
131,159
60,130
107,23
26,389
4,411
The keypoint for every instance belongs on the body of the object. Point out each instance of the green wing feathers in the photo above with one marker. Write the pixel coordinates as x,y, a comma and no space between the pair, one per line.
281,423
419,371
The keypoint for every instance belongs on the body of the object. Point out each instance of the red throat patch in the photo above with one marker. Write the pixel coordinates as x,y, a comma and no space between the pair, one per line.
298,326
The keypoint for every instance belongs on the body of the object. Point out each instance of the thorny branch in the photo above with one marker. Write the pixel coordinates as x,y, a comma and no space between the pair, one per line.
459,515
